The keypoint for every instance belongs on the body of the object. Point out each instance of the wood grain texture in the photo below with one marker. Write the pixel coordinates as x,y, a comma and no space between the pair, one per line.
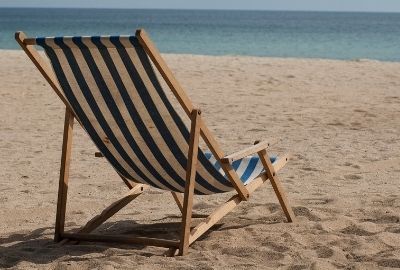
190,181
277,186
246,152
64,175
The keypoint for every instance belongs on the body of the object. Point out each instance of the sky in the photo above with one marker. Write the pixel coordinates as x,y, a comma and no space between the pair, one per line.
320,5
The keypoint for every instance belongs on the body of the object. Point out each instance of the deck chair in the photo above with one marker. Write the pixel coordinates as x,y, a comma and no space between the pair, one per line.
109,85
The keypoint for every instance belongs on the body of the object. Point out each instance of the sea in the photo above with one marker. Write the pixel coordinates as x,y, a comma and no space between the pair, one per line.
303,34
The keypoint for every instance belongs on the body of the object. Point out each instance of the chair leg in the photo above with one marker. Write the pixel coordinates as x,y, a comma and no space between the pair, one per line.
276,185
64,175
190,182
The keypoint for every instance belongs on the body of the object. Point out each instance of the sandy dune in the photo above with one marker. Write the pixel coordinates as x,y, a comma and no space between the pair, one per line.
340,119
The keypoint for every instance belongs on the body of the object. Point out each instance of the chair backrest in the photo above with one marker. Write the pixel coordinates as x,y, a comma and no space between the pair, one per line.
114,92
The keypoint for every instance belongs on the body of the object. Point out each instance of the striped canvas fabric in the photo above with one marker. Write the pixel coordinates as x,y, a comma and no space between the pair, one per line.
114,92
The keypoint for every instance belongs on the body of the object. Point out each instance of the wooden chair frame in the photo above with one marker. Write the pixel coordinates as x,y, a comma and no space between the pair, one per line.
185,203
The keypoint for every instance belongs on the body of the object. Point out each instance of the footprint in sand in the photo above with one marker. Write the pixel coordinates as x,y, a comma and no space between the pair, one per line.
384,219
305,212
352,177
309,169
391,263
273,207
275,247
390,239
298,267
359,110
324,252
393,99
356,125
354,230
248,252
320,201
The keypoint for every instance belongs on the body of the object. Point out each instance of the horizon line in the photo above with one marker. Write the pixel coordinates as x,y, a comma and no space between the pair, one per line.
202,9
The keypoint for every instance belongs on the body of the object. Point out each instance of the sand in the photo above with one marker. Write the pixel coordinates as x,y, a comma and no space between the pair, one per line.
340,119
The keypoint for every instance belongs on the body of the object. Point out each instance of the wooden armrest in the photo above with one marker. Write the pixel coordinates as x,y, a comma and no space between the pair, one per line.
98,154
257,147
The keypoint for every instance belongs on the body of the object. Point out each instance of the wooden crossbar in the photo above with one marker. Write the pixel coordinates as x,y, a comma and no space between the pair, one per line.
121,239
246,152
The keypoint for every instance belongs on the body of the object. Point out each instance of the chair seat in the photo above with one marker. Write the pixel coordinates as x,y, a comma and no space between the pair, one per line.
247,168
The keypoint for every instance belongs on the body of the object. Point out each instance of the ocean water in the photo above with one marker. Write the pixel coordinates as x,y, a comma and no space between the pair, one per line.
335,35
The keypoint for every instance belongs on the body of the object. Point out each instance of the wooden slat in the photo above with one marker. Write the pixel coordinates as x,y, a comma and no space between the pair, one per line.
246,152
276,184
64,174
190,181
30,41
121,239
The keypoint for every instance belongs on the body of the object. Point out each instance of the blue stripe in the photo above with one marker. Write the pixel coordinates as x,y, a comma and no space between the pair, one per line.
236,164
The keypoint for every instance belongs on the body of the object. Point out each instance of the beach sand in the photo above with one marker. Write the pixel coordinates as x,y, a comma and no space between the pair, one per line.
339,119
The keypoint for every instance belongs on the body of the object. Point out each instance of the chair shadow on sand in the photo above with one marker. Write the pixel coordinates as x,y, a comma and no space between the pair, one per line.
38,247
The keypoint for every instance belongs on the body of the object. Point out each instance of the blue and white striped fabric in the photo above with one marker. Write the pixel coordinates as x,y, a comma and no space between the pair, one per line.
115,94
